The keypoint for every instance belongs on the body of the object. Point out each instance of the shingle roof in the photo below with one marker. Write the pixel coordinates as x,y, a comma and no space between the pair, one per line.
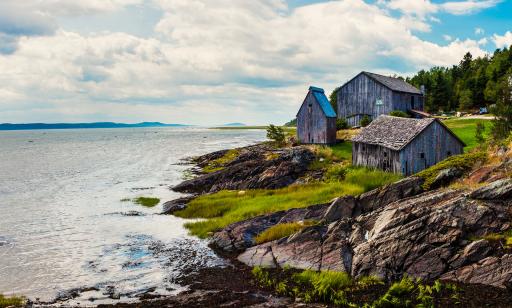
322,100
392,132
394,84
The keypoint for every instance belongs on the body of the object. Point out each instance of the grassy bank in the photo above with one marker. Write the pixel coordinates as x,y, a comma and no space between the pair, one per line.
13,301
465,129
226,207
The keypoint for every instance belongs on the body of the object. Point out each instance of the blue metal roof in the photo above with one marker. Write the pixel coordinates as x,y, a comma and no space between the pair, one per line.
320,97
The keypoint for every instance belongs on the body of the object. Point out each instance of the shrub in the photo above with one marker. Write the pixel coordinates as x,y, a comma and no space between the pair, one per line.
398,295
365,121
341,124
327,286
281,230
479,133
399,113
336,172
147,202
461,162
276,134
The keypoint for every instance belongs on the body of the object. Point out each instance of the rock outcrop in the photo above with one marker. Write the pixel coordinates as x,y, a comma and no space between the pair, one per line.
429,235
256,167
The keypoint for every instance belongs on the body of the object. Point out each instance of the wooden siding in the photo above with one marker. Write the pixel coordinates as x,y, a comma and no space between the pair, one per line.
375,156
435,142
312,124
358,98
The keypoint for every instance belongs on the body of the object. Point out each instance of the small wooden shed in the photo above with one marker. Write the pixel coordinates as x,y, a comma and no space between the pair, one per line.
369,94
404,145
316,119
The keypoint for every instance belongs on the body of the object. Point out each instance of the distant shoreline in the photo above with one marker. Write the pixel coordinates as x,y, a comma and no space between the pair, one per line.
39,126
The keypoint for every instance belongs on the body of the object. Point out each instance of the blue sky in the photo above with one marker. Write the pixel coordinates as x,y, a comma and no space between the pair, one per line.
211,62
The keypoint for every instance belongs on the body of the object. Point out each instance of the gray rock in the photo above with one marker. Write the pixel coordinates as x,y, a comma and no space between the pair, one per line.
445,177
499,190
494,271
340,208
172,206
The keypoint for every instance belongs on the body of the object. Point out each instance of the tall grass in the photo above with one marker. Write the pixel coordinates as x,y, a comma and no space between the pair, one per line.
226,207
370,179
13,301
281,230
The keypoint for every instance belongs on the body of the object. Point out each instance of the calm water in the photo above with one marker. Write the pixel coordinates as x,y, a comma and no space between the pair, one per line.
62,222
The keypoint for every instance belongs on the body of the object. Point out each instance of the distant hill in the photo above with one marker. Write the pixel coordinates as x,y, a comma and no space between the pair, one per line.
234,124
9,126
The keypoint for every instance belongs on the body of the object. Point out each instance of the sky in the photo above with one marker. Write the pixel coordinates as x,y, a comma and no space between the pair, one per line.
208,62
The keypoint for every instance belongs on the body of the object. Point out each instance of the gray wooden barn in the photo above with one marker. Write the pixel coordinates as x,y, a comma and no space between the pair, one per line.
316,119
372,95
404,145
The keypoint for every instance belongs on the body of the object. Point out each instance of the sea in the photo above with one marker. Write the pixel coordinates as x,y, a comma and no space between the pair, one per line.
68,232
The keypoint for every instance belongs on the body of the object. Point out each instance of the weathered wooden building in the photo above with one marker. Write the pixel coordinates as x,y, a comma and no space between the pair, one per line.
316,119
404,145
372,95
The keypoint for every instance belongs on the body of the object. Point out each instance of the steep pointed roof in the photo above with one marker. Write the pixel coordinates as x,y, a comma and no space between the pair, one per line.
322,100
394,132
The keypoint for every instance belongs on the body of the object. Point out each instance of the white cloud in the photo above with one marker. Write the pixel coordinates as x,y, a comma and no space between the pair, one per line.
468,7
212,62
447,38
479,31
502,41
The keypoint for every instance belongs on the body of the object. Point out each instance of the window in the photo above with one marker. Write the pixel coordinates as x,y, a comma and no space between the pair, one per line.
448,153
412,102
310,108
385,154
379,102
422,155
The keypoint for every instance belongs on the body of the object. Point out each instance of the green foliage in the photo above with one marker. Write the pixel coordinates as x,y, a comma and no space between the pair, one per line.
398,295
463,162
399,113
221,162
276,134
13,301
465,129
281,230
370,178
368,281
505,238
147,201
326,286
502,110
365,121
333,99
335,173
291,123
479,133
341,124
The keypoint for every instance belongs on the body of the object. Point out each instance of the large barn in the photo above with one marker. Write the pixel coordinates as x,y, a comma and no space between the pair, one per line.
373,95
316,119
404,145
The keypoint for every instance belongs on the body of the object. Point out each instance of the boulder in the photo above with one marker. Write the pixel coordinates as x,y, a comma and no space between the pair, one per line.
495,271
340,208
498,190
445,177
172,206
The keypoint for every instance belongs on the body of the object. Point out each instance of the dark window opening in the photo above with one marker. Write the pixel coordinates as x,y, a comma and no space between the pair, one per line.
448,153
310,108
412,102
385,154
422,155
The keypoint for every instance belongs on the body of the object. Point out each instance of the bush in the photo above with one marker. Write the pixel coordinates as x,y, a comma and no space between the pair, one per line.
479,133
341,124
365,121
276,134
399,113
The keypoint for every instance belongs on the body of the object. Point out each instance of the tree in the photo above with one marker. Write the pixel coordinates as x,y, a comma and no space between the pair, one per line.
465,100
479,133
276,134
502,123
333,99
365,121
341,124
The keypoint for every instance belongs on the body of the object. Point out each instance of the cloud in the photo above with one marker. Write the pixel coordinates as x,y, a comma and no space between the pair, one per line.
468,7
211,62
479,31
502,41
447,38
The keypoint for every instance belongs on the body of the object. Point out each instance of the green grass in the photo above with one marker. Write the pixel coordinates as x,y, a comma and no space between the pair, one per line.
13,301
226,207
505,238
462,162
342,150
465,129
281,230
146,201
219,163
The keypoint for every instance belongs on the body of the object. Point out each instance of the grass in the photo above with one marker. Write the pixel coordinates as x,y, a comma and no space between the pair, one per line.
465,129
13,301
146,201
219,163
281,230
462,162
226,207
505,238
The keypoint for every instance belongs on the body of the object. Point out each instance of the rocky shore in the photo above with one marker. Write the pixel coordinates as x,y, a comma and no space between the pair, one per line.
454,233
